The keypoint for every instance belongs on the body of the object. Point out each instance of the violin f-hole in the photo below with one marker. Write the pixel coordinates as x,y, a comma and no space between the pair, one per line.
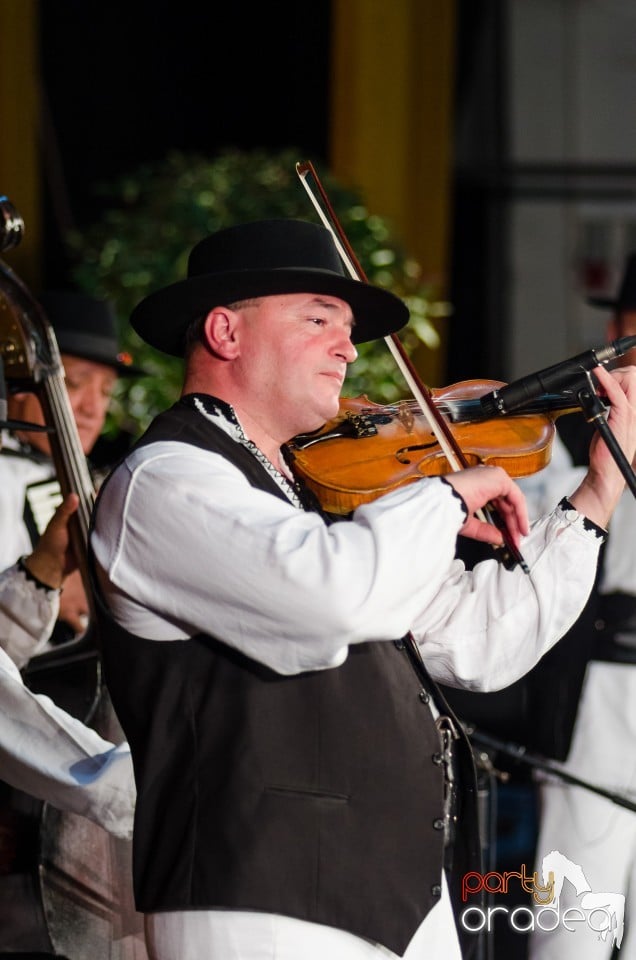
401,455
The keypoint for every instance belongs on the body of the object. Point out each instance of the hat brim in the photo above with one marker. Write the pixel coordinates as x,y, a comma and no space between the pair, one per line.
97,350
122,369
161,319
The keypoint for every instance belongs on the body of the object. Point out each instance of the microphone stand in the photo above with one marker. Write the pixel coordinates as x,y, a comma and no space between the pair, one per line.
594,410
481,744
519,753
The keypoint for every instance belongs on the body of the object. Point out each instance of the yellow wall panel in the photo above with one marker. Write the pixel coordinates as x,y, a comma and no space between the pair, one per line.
19,156
391,111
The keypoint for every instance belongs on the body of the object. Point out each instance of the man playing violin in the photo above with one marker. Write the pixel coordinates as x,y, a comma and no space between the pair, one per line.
303,789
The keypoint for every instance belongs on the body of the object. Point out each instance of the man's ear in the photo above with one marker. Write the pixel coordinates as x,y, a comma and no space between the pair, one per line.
220,332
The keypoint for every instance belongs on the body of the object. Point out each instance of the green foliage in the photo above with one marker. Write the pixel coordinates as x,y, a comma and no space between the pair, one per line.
156,214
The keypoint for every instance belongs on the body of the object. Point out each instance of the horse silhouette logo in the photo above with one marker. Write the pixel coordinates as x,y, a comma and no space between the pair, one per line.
556,869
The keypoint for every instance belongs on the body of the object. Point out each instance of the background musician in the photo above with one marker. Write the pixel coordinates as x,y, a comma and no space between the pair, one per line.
85,330
585,693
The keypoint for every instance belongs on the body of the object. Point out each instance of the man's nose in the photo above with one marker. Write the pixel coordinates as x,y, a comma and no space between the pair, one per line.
92,401
346,348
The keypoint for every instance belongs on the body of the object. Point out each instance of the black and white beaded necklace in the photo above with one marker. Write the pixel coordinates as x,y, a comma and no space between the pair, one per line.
222,414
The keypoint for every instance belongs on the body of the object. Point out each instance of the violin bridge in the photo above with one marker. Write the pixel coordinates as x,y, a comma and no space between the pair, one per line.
406,417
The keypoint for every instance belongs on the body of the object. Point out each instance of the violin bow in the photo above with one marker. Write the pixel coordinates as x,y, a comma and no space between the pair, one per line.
510,555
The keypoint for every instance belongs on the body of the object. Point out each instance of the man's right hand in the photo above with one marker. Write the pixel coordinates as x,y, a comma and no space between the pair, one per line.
483,485
53,559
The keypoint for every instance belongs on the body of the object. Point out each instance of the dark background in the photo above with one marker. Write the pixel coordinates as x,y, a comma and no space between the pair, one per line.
123,83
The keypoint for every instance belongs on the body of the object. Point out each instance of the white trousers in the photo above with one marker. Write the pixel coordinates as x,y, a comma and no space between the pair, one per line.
225,935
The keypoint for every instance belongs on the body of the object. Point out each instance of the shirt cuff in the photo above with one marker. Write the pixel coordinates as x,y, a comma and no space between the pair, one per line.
33,579
457,495
571,515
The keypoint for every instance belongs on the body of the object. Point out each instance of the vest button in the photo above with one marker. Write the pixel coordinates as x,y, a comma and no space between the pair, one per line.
437,758
436,890
424,696
438,823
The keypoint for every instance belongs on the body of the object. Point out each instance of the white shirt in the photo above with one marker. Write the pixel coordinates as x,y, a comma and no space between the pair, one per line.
283,588
559,477
43,750
185,544
17,473
27,615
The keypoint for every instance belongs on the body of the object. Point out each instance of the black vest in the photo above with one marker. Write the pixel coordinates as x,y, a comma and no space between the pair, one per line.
317,796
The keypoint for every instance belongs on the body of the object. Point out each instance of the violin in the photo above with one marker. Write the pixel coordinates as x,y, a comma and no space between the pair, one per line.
369,449
439,432
508,553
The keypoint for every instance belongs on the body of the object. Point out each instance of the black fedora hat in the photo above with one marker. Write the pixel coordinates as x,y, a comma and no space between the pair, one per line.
626,297
258,259
87,327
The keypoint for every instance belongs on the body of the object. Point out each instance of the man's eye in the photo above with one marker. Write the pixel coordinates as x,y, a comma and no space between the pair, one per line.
319,321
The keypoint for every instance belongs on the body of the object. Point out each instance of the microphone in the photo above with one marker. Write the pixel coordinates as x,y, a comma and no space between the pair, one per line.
554,379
